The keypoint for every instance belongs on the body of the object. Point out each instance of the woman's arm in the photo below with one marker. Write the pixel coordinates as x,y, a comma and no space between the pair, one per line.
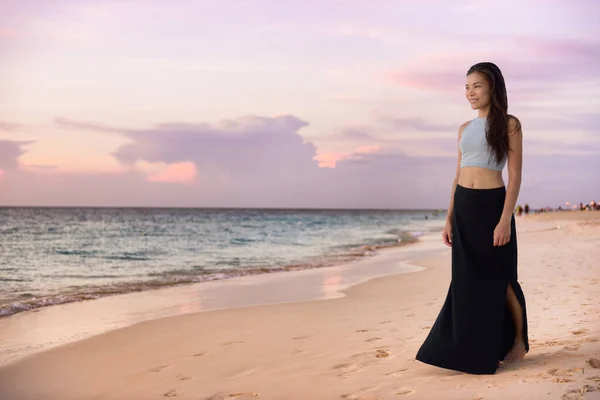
457,175
447,232
515,165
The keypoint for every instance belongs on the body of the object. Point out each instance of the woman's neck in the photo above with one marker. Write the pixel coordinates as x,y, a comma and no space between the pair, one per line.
483,112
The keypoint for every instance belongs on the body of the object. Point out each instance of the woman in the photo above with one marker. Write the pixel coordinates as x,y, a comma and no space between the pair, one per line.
483,320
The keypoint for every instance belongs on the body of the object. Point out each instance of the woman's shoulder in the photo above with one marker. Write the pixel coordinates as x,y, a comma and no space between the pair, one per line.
464,125
514,124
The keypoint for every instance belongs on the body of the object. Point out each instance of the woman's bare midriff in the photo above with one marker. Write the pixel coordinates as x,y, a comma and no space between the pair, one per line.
480,178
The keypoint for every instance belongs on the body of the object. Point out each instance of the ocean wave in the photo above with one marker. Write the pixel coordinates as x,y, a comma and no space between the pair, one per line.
191,275
80,276
134,256
13,280
242,241
127,258
77,252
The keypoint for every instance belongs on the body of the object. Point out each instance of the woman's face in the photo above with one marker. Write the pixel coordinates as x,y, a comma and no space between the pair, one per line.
478,91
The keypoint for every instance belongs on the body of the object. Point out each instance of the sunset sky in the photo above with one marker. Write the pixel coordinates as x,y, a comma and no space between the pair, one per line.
285,103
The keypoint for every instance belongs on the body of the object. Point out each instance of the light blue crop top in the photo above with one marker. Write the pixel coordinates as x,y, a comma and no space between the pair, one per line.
473,145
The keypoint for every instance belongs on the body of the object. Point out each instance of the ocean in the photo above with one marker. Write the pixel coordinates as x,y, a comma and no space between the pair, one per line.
59,255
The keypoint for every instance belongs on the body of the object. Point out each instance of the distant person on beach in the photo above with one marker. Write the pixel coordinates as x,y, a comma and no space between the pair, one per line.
526,209
483,321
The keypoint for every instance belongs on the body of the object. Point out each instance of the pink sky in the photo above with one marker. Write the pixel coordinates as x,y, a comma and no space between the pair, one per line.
264,103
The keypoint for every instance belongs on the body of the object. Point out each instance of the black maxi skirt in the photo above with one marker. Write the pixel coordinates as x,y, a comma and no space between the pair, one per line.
475,329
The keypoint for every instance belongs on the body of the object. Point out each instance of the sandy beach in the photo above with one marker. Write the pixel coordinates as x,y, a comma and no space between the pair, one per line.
358,344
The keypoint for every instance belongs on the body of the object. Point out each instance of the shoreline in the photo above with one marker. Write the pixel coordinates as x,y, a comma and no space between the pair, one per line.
87,318
357,345
168,279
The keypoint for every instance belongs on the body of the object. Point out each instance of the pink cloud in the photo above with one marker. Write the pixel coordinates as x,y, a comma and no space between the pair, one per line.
8,32
2,172
532,67
414,124
275,169
8,127
264,162
330,160
245,149
184,172
442,81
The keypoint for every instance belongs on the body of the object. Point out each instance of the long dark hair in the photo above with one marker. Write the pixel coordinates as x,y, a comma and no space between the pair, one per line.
496,131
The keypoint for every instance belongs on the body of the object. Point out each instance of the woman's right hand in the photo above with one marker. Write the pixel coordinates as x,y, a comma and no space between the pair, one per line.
447,234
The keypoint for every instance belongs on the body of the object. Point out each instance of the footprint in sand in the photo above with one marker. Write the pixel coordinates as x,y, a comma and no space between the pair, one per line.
572,348
159,368
565,372
244,395
577,394
395,374
559,372
382,353
387,322
362,330
199,355
184,377
362,395
594,362
233,342
373,339
347,369
579,332
562,380
244,373
301,337
232,396
405,392
173,393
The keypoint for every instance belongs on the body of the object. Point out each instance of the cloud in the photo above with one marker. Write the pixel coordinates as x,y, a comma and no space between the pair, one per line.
414,124
562,148
533,67
329,160
10,151
41,167
8,33
264,162
184,172
8,127
73,124
245,149
581,121
355,134
246,162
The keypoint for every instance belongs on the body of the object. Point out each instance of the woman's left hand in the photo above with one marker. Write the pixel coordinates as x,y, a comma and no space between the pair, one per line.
502,233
